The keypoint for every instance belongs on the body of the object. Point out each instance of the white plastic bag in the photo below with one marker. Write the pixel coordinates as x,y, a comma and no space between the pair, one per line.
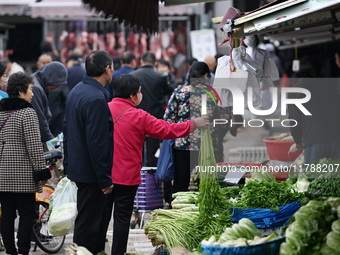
63,208
248,74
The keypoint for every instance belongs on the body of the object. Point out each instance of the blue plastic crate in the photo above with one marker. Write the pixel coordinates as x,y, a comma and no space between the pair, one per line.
268,248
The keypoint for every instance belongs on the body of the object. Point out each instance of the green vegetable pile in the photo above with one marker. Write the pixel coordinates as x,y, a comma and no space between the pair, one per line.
314,231
186,201
264,191
183,228
240,234
173,228
324,187
245,228
212,205
324,177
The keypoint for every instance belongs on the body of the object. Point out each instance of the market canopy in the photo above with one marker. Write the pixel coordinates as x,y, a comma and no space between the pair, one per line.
305,22
142,13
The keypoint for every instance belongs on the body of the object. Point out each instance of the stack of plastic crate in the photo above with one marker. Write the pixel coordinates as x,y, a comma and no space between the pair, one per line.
248,154
150,192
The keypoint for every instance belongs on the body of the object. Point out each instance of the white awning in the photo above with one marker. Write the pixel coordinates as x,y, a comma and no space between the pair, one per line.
72,9
186,9
181,2
309,11
306,23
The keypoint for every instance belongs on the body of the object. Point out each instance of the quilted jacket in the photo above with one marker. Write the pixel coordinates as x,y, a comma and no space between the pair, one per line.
21,150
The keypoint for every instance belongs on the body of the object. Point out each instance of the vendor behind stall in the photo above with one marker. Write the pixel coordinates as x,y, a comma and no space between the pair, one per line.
317,133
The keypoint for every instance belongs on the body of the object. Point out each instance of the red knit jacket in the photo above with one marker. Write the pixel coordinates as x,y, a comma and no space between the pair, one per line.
129,135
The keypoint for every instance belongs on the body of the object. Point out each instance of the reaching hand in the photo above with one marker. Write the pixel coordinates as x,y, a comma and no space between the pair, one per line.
107,190
202,122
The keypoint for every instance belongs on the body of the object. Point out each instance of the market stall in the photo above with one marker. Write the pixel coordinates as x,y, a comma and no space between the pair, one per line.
297,214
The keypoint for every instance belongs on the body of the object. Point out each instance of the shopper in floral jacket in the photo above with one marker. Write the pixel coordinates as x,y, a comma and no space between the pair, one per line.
21,153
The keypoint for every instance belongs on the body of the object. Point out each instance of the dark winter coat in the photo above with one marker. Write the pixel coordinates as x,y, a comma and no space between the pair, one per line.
20,147
53,74
88,134
154,88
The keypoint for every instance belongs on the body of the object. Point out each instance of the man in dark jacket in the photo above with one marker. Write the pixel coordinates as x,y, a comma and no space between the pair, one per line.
317,133
75,71
154,88
88,144
49,77
128,65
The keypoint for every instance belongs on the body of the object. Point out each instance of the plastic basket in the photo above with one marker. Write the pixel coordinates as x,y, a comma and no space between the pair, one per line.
266,218
270,248
279,150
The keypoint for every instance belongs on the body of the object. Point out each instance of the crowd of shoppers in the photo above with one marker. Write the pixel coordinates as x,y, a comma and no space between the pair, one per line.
107,116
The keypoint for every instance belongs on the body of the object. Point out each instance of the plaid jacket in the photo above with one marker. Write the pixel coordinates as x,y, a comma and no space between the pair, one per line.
21,150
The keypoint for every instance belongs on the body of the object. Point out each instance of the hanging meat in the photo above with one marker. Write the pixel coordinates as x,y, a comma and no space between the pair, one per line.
171,51
101,42
155,46
143,44
131,41
84,42
121,43
64,42
136,50
111,44
72,41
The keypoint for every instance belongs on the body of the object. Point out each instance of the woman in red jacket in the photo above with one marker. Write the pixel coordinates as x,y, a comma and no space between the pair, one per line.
131,125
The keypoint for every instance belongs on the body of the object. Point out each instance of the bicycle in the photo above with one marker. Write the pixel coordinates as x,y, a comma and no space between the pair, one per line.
43,238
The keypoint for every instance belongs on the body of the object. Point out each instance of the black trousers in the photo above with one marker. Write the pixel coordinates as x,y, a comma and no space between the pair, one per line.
90,225
185,161
151,146
25,204
122,197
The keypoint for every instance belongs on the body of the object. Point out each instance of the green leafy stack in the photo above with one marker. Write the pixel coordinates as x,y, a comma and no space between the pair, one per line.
211,201
307,235
240,234
264,191
325,181
179,228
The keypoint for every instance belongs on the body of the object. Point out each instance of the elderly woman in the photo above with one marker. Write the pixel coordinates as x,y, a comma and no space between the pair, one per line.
131,125
3,81
21,154
185,103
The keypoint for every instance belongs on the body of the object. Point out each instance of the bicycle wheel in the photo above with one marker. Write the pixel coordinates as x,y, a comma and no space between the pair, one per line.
44,239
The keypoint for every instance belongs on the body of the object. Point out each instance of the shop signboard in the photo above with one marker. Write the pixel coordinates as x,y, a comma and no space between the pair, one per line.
203,43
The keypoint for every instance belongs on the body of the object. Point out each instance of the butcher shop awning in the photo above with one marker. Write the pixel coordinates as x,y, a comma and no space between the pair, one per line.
180,2
292,22
70,9
142,13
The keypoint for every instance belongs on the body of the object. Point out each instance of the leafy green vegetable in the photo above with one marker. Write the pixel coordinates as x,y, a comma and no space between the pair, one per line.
230,192
178,228
307,233
302,185
266,192
324,187
333,240
336,227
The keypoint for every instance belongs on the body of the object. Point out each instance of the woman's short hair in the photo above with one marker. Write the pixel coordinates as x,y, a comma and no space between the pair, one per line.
96,63
125,85
18,82
198,70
